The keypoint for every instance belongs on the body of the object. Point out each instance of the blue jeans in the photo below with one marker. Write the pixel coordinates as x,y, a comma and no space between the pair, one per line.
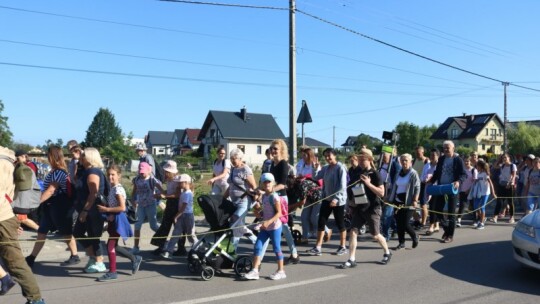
388,221
148,212
310,219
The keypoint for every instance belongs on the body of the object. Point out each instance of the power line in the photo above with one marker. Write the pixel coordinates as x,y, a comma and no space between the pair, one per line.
228,4
215,65
409,52
130,24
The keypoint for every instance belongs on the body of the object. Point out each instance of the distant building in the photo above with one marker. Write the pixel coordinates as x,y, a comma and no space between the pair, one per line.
350,143
482,133
159,142
250,132
315,145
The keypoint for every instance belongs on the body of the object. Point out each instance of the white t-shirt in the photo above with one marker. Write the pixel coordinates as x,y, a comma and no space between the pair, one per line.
219,168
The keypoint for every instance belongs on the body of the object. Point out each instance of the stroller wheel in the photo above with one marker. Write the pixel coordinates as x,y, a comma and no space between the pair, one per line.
297,236
363,229
243,265
348,224
207,273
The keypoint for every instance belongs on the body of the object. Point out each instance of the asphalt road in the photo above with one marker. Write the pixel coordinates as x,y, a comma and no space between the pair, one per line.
477,267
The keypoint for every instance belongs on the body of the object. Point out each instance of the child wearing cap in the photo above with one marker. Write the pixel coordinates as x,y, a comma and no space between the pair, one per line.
184,221
171,196
270,210
144,199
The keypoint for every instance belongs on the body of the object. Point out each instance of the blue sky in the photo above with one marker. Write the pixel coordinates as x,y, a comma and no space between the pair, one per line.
162,65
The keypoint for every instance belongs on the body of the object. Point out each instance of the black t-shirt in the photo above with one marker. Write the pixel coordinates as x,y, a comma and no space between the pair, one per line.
376,181
280,172
354,176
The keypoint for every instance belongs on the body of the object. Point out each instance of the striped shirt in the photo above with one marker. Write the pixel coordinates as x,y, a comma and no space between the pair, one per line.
59,177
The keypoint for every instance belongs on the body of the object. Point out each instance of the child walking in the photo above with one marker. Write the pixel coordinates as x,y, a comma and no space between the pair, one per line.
184,221
480,191
171,196
144,199
118,225
270,209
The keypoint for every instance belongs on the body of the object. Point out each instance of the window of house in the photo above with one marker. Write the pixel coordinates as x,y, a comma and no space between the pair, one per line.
487,131
483,147
259,149
242,147
500,132
212,132
454,133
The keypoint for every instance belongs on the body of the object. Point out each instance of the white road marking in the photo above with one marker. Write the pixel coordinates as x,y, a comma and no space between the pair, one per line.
259,290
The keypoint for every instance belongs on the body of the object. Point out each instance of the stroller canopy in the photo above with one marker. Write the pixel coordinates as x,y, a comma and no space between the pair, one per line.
217,210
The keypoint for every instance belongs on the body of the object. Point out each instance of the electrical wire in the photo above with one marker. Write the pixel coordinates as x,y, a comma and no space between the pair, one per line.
228,4
410,52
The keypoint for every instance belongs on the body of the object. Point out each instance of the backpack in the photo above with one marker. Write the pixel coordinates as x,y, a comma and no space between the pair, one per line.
284,218
131,212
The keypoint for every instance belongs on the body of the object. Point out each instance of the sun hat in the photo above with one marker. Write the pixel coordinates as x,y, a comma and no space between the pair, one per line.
185,178
531,156
170,166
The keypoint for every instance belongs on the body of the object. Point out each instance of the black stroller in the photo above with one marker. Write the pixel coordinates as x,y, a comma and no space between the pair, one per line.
215,251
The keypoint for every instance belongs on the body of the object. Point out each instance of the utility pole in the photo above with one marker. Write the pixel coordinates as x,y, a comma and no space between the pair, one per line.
292,83
333,137
505,122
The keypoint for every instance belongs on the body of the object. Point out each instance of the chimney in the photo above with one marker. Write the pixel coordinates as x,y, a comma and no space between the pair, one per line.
243,114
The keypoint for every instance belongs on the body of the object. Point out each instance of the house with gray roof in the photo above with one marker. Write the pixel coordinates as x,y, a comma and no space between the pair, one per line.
483,133
159,142
176,146
250,132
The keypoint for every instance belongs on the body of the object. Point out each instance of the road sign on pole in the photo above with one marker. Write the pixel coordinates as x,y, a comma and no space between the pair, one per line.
304,117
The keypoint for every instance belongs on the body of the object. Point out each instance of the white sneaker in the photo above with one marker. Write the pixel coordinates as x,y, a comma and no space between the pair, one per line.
252,275
278,275
95,268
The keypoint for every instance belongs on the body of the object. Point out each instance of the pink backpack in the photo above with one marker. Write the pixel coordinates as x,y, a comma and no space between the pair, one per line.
284,218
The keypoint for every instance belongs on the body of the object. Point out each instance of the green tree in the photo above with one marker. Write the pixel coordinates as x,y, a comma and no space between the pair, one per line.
408,137
524,139
22,146
103,131
425,133
5,134
370,142
59,142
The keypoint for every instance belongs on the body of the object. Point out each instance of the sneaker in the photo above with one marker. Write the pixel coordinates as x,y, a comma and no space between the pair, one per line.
41,301
278,275
73,260
400,246
293,260
166,255
252,275
180,252
91,261
314,251
109,276
448,240
135,265
7,284
511,220
96,267
458,224
493,220
341,251
475,224
135,250
348,264
30,260
480,226
386,258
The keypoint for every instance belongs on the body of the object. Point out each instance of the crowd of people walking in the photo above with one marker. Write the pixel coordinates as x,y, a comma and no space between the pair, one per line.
394,194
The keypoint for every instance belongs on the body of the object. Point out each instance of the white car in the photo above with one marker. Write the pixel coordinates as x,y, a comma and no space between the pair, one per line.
526,240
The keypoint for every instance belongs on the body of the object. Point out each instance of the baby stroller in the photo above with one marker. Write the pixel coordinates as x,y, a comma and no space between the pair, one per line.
215,251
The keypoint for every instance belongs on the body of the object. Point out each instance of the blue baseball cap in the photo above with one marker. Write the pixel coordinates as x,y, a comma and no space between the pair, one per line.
267,177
